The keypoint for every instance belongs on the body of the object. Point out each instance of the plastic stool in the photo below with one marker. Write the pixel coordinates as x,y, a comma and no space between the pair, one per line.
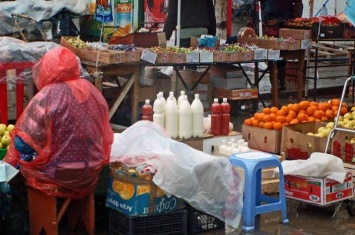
44,213
252,163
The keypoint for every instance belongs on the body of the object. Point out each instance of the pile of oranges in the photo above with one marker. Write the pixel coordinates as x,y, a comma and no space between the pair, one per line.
304,111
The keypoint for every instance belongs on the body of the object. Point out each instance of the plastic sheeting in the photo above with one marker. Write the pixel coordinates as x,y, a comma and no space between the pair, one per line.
67,124
16,51
350,11
37,9
206,182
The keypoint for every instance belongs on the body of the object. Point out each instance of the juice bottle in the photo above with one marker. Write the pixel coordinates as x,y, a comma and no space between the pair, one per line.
147,111
197,117
185,119
216,118
158,108
123,16
225,118
171,116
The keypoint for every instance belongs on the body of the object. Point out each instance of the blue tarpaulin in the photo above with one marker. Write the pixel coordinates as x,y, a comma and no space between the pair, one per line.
350,11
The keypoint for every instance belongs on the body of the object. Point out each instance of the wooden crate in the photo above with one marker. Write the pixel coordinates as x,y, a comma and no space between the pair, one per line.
106,57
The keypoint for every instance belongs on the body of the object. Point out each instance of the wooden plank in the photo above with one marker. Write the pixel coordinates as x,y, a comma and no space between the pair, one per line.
270,186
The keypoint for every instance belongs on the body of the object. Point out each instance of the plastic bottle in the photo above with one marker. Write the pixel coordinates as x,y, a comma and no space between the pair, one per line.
182,94
163,99
158,108
171,94
216,118
171,116
225,118
147,111
197,117
185,119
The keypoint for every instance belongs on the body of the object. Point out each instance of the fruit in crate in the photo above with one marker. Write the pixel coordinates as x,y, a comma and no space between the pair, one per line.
5,138
293,113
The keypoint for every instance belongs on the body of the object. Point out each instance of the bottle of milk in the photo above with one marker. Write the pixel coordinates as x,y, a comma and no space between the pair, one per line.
197,117
185,119
158,109
171,116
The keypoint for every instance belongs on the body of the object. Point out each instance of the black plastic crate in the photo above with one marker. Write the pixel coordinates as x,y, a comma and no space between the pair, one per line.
201,222
160,224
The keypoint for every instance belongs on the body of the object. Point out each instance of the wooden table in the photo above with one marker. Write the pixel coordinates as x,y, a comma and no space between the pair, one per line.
131,72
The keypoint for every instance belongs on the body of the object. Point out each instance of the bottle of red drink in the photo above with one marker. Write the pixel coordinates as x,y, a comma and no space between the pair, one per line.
216,110
225,117
147,111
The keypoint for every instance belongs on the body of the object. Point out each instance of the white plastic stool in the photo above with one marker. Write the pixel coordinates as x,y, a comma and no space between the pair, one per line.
252,163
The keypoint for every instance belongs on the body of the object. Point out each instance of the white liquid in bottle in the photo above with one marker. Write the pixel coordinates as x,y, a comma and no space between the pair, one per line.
171,116
185,119
197,117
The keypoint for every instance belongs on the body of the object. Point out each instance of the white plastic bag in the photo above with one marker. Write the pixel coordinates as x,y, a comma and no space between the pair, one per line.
206,182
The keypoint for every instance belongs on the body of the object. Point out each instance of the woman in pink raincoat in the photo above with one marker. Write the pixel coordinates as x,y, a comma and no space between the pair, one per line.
67,125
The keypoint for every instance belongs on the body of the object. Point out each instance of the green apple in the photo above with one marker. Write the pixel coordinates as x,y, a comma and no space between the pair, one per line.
10,127
6,133
5,140
348,116
330,125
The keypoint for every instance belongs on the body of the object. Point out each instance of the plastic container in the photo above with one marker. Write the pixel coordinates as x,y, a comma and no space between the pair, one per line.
147,111
171,116
161,224
171,94
185,119
182,94
197,117
216,109
225,117
159,109
163,99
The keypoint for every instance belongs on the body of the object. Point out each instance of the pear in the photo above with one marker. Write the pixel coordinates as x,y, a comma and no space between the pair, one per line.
2,129
10,127
5,140
6,133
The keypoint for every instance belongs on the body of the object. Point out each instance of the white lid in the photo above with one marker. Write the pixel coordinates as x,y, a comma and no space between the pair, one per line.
182,92
224,99
171,93
197,96
215,100
147,101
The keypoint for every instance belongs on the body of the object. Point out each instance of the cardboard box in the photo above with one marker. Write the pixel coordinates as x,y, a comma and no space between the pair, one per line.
237,94
136,195
106,57
296,144
178,57
133,56
225,71
229,83
164,57
298,34
262,139
319,191
239,56
65,43
219,56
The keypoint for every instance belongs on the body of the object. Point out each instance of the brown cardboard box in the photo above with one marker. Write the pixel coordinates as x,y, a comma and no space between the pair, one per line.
298,34
296,144
262,139
64,42
106,57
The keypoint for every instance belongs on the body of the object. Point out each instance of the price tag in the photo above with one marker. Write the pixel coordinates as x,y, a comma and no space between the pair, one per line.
273,54
260,54
206,57
192,57
149,56
305,44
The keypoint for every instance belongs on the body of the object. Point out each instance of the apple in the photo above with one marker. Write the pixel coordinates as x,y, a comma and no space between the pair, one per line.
2,129
1,145
10,127
5,140
348,116
340,123
330,125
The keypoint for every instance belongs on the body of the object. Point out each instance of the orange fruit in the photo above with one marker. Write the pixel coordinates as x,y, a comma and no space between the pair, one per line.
322,106
272,116
329,114
255,123
343,110
302,117
247,122
296,107
311,119
266,110
285,109
268,125
281,119
280,113
261,124
335,102
258,116
294,121
317,114
310,110
324,118
277,126
274,109
292,113
267,118
313,103
304,104
288,119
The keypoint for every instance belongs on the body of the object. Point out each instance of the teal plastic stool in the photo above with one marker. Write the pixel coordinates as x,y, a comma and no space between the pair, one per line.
252,163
